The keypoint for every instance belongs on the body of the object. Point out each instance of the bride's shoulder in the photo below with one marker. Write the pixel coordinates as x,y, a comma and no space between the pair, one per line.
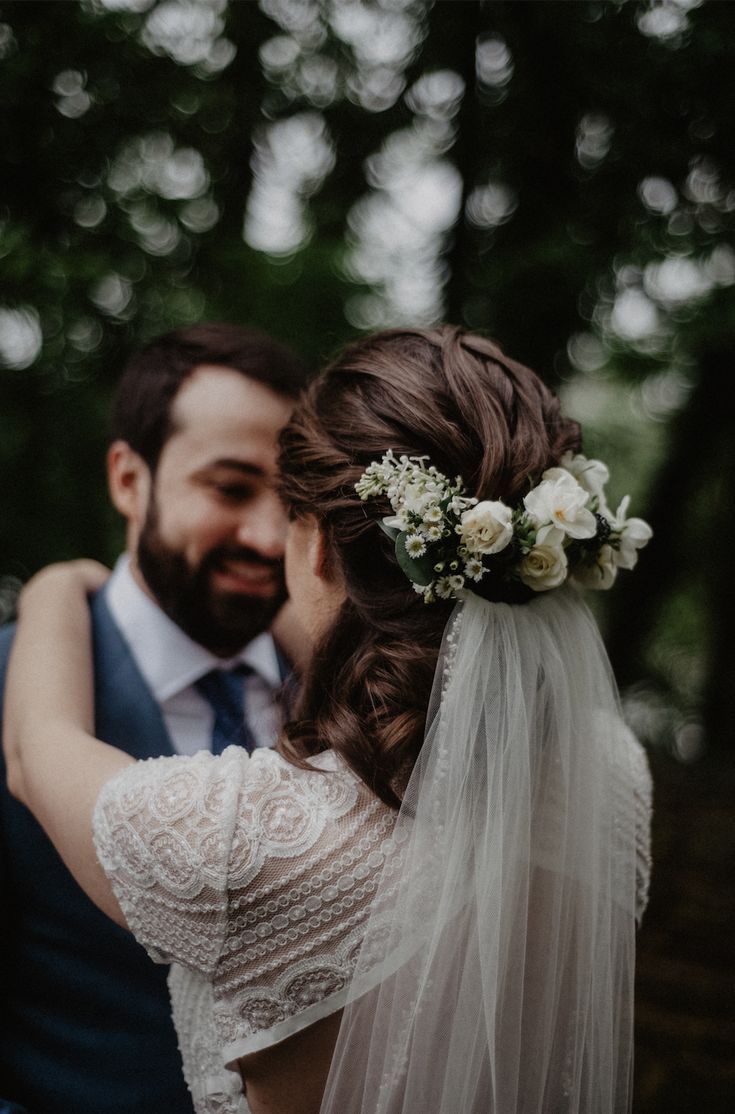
324,783
234,763
263,794
173,780
318,770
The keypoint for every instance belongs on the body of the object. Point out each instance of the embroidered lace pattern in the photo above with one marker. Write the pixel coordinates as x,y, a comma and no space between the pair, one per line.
253,878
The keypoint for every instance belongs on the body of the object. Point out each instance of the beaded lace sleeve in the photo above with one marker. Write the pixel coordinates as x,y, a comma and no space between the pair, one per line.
163,831
251,872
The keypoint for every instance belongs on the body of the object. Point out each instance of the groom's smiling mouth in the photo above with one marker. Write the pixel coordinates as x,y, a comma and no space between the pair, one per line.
246,576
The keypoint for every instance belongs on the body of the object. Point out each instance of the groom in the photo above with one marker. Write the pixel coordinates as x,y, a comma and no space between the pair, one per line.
180,645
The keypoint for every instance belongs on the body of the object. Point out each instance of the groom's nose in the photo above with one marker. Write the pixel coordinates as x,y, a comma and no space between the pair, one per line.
263,529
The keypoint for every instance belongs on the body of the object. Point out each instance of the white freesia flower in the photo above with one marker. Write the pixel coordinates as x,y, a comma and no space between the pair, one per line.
558,507
633,533
415,500
544,567
487,527
460,503
601,572
395,522
592,475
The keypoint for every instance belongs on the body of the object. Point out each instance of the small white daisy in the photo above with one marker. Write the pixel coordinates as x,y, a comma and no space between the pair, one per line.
474,569
415,545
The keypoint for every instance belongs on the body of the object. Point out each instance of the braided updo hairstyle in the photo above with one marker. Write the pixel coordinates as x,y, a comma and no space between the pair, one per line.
441,393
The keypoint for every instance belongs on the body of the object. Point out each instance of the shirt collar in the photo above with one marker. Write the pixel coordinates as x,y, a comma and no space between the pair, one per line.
168,659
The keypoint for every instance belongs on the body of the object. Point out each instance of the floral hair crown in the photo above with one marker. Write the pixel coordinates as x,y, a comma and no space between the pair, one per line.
447,542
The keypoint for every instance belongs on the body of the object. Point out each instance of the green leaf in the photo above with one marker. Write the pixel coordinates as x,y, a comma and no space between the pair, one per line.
389,530
419,571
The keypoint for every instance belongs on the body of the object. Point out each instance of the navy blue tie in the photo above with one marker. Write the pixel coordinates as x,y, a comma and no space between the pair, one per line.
224,690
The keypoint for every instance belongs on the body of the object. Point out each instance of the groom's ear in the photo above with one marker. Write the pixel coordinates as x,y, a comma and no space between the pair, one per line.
129,483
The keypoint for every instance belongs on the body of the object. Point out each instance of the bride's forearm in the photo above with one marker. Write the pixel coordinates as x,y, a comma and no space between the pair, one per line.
50,689
55,766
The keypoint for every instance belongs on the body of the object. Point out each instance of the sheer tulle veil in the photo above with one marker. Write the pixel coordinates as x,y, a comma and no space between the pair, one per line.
496,975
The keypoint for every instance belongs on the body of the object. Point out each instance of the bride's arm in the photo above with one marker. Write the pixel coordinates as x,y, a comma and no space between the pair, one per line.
55,766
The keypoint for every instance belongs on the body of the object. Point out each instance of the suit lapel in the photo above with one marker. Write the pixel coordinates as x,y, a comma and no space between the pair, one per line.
127,715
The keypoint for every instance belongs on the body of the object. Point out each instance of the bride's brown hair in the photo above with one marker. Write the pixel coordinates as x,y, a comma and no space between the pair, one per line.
442,393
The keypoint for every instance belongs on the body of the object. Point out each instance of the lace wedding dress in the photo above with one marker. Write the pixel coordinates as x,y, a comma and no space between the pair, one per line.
254,879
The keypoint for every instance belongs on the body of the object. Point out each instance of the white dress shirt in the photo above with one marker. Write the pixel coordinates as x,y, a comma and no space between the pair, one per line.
171,662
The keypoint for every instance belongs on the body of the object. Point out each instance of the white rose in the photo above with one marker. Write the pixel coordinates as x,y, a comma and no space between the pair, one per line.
486,527
601,572
634,533
544,567
558,507
592,475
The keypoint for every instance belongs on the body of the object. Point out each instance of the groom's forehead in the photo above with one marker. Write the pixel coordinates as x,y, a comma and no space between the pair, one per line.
219,399
221,414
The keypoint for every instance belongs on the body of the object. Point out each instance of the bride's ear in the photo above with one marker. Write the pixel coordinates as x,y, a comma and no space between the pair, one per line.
129,482
321,558
317,551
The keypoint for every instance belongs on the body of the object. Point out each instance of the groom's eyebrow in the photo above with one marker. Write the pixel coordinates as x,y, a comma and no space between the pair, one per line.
231,464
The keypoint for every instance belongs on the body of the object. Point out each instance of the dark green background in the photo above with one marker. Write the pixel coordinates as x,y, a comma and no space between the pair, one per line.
79,87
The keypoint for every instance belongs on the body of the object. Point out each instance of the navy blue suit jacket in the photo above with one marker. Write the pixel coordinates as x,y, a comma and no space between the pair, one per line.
85,1023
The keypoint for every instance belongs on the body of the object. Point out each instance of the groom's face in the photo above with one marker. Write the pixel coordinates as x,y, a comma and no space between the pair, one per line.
210,541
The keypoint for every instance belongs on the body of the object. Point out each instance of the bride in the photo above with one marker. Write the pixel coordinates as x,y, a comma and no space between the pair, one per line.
425,898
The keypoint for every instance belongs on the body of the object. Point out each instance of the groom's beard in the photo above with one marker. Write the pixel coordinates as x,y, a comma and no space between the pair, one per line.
221,621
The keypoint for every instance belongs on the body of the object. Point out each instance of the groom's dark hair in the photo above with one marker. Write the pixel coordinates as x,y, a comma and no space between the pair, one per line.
142,411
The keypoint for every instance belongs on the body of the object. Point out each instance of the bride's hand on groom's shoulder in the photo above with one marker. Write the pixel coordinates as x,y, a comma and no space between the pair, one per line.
67,578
